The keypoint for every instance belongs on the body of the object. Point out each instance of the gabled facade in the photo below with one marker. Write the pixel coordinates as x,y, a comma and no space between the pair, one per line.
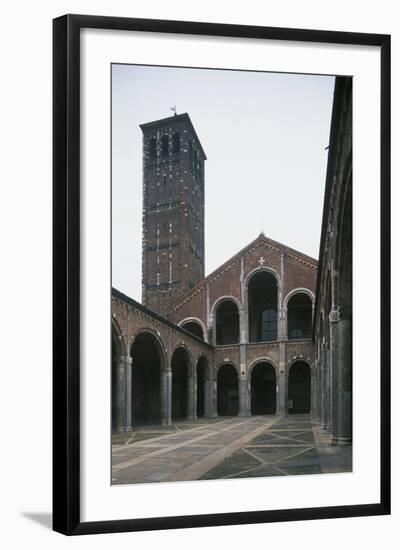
237,342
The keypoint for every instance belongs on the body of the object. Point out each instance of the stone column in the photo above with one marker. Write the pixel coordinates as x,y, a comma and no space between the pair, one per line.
123,395
211,396
334,318
326,388
191,396
244,390
165,395
282,324
313,383
318,389
345,382
244,397
281,386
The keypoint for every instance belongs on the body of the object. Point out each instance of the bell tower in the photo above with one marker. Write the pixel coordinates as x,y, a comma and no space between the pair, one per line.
173,211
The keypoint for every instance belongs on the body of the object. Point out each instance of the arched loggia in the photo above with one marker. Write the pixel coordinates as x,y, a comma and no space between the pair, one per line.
299,387
263,307
146,373
227,391
263,389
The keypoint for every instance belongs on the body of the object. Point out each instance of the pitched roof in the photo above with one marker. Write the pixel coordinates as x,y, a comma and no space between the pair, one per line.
261,239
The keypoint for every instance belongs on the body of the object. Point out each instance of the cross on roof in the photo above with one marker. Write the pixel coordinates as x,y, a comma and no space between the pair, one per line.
261,261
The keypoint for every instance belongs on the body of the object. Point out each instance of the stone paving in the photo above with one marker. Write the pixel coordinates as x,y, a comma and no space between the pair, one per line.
258,446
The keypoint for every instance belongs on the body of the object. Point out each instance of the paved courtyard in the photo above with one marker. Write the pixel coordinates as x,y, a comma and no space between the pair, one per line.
258,446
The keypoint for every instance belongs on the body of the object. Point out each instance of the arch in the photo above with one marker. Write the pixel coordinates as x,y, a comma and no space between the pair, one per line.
263,359
194,326
201,377
180,369
164,145
176,143
158,340
262,304
147,364
227,322
295,291
299,391
263,388
299,316
227,390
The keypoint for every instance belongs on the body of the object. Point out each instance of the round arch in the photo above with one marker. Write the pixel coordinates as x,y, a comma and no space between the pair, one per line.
263,384
160,344
299,290
300,311
227,389
265,269
196,320
181,371
226,321
222,299
263,294
299,387
263,359
148,361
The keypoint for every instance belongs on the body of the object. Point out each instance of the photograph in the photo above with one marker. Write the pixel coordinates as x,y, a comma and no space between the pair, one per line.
231,299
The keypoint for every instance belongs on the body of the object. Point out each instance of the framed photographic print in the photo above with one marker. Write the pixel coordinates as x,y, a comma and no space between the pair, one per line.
221,274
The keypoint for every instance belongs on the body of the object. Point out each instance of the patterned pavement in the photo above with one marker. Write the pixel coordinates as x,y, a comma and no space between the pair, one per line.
258,446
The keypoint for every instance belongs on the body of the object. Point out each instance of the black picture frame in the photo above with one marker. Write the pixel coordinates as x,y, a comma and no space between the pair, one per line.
66,272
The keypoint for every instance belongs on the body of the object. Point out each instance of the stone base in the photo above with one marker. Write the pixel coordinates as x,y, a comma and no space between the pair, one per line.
244,414
122,430
344,441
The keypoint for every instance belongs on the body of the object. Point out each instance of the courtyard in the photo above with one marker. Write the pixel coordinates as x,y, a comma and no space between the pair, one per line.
227,447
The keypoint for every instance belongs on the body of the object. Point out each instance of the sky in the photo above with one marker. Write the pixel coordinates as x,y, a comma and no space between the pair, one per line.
265,137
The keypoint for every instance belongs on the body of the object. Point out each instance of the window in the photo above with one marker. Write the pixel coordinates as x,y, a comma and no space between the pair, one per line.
176,143
164,146
268,325
152,148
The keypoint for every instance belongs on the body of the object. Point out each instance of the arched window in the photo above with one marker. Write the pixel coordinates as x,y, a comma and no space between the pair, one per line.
268,325
194,327
227,323
299,316
263,307
152,148
176,143
164,146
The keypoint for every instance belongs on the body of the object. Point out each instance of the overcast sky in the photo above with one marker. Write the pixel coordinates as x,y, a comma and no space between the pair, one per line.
264,135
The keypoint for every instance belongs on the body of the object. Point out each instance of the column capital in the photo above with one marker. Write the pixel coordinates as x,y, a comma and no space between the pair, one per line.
127,359
334,315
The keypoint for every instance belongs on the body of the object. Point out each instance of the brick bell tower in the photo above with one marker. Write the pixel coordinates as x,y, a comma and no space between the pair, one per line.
173,211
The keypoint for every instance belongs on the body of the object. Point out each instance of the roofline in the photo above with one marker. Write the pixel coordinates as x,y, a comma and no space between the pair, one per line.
333,136
260,238
130,301
176,118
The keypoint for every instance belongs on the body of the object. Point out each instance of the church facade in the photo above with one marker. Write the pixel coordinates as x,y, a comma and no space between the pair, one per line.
240,341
